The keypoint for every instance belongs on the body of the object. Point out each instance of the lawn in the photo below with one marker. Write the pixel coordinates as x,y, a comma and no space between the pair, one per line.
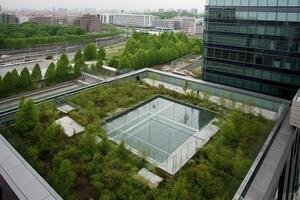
79,168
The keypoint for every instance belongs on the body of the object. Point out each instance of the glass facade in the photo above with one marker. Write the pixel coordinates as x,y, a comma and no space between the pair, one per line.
254,45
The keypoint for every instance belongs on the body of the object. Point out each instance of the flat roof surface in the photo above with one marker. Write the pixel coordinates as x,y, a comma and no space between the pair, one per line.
24,181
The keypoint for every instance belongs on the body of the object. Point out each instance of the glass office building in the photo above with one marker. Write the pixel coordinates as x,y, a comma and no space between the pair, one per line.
254,45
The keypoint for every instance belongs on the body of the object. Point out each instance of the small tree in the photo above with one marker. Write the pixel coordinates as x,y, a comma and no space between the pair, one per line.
1,86
27,117
99,65
78,55
62,68
62,176
90,52
25,78
50,75
101,54
16,79
36,74
8,83
113,62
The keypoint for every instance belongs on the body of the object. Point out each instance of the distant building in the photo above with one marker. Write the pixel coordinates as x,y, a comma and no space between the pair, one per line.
23,19
42,19
167,24
133,20
199,26
194,11
189,25
106,18
89,23
8,18
161,10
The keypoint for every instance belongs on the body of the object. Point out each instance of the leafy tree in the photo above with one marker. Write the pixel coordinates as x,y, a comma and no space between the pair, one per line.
50,75
79,65
62,68
88,141
90,52
101,54
124,63
36,74
48,139
99,65
8,82
113,62
27,117
78,55
63,176
25,78
15,79
2,89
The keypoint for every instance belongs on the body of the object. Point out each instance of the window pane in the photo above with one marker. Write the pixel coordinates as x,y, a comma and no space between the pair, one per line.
281,16
271,16
272,2
292,17
262,2
244,3
293,3
262,16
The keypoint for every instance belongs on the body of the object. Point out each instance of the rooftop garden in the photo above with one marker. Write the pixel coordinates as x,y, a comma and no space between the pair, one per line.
79,167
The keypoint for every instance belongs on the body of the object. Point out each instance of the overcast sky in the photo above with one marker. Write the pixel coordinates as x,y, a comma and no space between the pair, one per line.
104,4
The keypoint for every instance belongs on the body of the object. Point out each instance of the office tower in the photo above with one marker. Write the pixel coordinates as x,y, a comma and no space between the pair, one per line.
254,45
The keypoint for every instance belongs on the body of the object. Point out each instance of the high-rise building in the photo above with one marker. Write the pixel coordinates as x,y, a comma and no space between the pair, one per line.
188,25
133,20
194,11
254,45
167,24
89,23
8,18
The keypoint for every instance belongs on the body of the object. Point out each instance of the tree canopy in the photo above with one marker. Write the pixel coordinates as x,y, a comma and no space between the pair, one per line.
144,50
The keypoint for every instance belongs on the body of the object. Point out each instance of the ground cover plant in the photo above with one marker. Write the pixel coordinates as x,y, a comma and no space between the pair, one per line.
79,168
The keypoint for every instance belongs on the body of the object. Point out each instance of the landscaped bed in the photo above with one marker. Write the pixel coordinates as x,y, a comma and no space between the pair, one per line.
81,168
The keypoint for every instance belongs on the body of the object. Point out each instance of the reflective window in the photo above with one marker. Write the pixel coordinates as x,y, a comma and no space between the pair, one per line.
282,2
244,3
281,16
228,2
262,16
236,2
271,16
272,2
220,2
262,2
212,2
253,15
292,17
253,2
293,3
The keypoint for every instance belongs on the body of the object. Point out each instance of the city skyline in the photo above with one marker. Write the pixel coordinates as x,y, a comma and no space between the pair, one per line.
103,5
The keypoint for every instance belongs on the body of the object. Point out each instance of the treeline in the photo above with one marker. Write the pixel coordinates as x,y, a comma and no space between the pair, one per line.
144,50
14,83
32,34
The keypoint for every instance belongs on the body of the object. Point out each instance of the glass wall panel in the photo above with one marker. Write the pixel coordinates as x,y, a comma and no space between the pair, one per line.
236,2
271,16
293,3
281,16
244,2
262,16
292,17
262,2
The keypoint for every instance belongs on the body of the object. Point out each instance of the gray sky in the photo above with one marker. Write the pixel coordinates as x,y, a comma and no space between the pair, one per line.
104,4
